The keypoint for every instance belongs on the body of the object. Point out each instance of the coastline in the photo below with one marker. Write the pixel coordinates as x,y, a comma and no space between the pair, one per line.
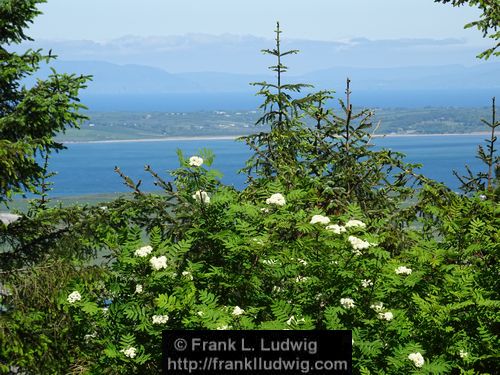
165,139
395,135
233,137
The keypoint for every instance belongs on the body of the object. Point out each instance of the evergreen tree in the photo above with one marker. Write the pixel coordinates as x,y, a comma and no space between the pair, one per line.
30,117
489,181
277,153
36,252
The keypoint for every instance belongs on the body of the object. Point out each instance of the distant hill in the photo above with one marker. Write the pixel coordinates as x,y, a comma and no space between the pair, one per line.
444,77
111,78
143,88
139,79
207,72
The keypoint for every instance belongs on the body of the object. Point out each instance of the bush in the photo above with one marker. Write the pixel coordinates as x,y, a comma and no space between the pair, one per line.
277,262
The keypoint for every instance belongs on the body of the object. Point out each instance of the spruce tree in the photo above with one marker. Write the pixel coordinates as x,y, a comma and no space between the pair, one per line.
485,182
30,117
277,152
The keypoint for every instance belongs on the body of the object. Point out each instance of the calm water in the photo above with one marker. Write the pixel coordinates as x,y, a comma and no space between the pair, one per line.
87,168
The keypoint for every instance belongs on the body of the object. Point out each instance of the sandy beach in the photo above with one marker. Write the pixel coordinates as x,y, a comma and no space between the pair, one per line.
431,135
199,138
233,137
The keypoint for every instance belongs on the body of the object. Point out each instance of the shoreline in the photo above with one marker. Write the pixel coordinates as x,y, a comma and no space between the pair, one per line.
233,137
165,139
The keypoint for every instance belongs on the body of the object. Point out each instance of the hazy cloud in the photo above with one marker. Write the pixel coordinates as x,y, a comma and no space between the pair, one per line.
241,54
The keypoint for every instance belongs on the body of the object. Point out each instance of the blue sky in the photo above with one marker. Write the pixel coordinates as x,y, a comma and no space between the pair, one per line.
102,20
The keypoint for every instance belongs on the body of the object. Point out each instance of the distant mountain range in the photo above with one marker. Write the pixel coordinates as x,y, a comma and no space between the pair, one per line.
215,71
111,78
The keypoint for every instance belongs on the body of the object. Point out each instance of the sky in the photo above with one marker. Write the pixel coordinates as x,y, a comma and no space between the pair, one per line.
103,20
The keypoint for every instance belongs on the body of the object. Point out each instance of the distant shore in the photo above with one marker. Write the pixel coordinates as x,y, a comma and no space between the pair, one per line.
198,138
233,137
429,135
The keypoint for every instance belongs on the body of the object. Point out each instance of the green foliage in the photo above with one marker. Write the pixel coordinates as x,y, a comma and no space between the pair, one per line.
30,117
487,182
487,24
34,328
279,151
334,157
437,297
40,252
322,237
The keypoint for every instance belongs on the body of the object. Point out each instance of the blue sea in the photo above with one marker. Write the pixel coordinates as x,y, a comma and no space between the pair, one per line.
87,168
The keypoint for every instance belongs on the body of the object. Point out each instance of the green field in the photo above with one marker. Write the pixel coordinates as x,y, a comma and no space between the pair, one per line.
104,126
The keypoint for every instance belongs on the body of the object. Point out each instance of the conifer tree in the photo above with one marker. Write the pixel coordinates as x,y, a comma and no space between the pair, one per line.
489,181
30,117
276,153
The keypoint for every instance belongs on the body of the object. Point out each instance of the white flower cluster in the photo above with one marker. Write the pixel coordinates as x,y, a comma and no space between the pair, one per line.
347,303
158,262
319,219
358,244
402,270
160,319
293,320
74,296
89,337
377,306
187,274
301,279
237,311
386,316
138,288
335,228
8,218
365,283
463,354
201,196
143,251
270,262
417,359
258,241
195,161
302,261
277,199
129,352
355,224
